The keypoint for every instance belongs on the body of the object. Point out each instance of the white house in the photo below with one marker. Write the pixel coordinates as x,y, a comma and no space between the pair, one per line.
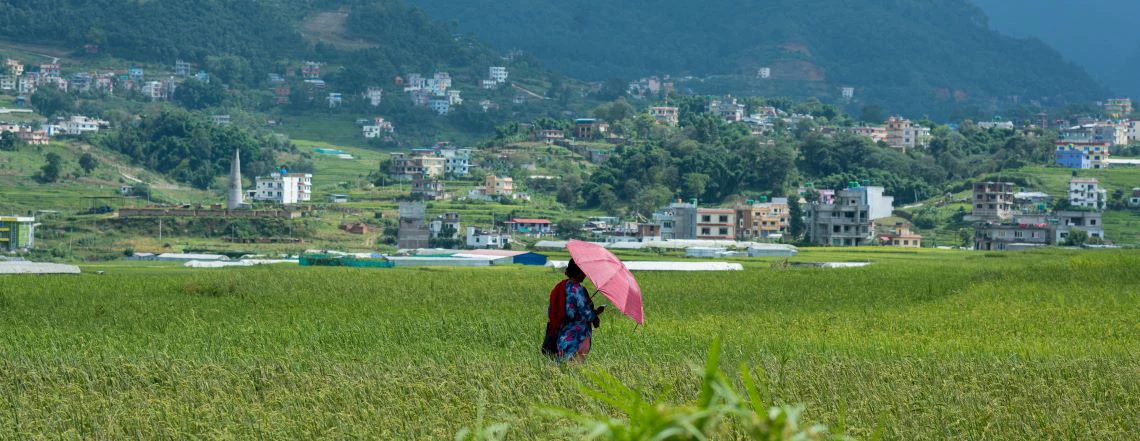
378,128
374,95
458,161
531,227
1087,193
479,238
498,74
284,188
8,82
152,90
335,99
80,125
764,73
1134,201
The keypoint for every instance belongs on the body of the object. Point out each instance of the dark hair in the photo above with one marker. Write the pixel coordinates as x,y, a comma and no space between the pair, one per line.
573,272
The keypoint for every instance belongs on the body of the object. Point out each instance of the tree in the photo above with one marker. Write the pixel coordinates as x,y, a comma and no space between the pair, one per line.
194,94
9,141
50,101
50,170
88,163
1076,238
872,113
965,238
796,225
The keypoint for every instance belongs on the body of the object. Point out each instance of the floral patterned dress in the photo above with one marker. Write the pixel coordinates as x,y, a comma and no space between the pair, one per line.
579,314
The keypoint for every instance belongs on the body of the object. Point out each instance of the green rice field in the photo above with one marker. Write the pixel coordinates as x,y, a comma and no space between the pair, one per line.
919,345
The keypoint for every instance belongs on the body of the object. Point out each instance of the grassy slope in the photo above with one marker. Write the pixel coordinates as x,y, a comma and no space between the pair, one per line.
943,345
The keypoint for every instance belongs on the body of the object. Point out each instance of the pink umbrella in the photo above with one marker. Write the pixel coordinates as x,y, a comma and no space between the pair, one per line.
611,277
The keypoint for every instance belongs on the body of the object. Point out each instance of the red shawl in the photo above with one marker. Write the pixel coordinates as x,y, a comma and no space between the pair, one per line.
556,312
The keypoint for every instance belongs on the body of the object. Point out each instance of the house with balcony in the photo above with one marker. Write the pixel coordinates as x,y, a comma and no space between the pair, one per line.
901,236
1086,193
905,135
283,188
762,219
849,221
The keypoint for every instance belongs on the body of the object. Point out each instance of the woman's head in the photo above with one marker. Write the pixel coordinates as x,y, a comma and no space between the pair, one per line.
574,273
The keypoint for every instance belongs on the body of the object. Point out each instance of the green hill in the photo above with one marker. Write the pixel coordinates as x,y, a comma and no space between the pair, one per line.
919,57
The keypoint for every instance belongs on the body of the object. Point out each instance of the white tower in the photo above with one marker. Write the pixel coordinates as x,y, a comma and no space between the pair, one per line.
234,197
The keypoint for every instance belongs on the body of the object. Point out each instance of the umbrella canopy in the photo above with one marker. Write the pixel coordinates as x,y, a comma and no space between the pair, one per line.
610,276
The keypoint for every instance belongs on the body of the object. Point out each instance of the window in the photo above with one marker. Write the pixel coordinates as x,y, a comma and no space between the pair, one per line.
723,219
705,231
706,218
724,231
1019,234
1092,221
835,229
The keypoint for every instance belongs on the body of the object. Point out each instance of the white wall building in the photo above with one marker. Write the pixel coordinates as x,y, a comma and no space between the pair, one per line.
80,125
458,161
498,74
479,238
378,128
8,82
284,188
1087,193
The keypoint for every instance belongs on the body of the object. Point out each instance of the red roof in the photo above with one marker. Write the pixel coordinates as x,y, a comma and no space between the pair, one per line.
529,221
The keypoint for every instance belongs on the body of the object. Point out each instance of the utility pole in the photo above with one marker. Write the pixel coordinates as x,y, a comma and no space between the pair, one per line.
160,229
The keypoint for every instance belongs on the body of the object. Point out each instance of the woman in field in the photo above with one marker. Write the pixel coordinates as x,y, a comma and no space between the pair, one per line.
571,318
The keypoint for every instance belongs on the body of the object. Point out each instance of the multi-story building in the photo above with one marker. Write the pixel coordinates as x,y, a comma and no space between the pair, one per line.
1087,156
80,125
716,224
457,161
589,128
761,220
182,68
678,221
1095,133
8,82
419,163
429,188
494,185
666,115
904,135
374,95
1118,108
1086,193
17,233
15,68
283,188
876,133
413,233
902,236
498,74
729,109
850,220
993,200
449,220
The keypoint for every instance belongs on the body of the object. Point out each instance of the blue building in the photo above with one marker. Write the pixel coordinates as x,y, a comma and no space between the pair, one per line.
1072,157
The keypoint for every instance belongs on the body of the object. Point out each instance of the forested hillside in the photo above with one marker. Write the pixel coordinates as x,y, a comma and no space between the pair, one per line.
249,37
910,55
1113,60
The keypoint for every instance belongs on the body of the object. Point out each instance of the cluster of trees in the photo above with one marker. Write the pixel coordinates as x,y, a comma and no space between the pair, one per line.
711,160
189,148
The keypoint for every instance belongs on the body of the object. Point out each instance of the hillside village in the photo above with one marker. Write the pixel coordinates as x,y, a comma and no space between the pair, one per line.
507,174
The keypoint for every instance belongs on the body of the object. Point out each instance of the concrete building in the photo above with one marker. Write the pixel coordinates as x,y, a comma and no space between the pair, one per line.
904,135
284,188
762,219
418,163
1010,237
17,233
531,227
1134,201
1118,108
478,238
379,128
80,125
413,232
902,236
449,220
1083,156
589,128
1095,133
374,96
850,220
234,195
876,133
1090,222
494,185
498,74
993,201
716,224
729,109
428,188
670,116
1086,193
457,162
678,221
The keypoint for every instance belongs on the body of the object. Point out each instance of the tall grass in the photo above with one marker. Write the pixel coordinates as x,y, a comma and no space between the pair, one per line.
1038,345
